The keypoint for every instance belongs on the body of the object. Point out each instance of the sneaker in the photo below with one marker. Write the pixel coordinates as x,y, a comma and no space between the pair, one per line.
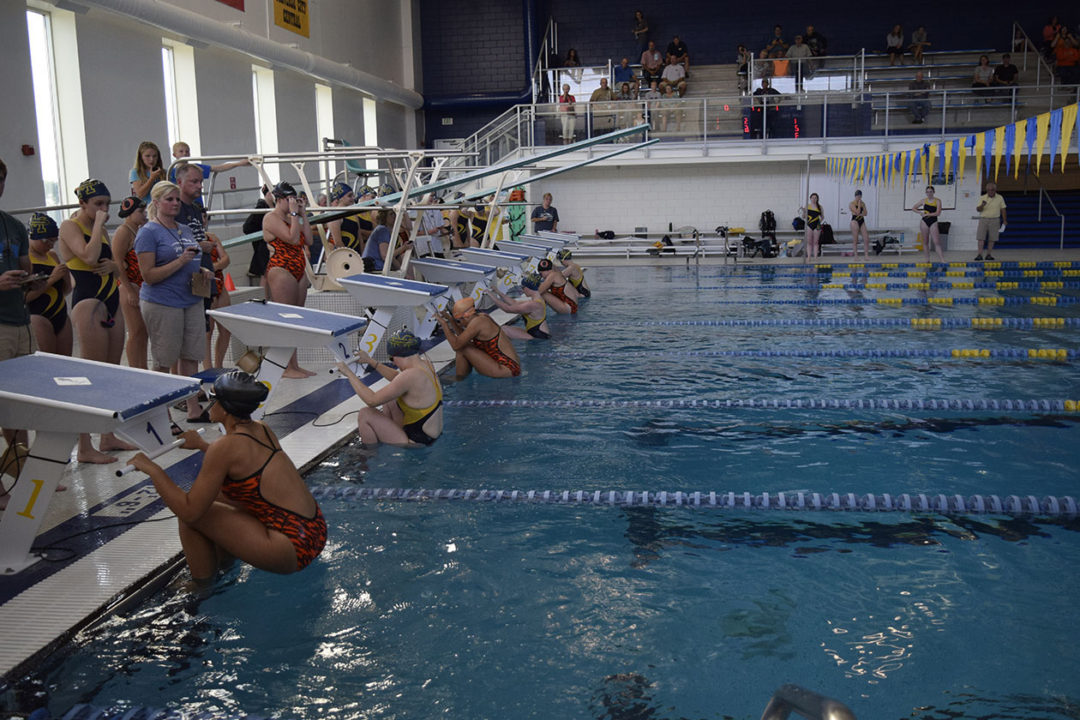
989,256
978,258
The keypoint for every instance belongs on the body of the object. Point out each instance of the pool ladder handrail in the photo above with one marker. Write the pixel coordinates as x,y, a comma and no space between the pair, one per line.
790,698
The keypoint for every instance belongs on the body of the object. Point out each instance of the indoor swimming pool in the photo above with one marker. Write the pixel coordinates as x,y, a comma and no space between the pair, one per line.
534,610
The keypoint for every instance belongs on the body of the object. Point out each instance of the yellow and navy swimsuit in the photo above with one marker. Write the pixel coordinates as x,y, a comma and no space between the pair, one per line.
532,325
414,418
350,234
89,285
813,218
580,286
50,304
479,224
928,207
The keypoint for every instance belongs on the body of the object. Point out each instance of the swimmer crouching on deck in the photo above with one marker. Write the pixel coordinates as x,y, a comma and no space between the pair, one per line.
533,310
416,418
479,342
265,515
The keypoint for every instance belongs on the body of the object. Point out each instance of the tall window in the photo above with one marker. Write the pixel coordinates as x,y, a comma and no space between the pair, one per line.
371,130
172,121
324,112
266,143
45,107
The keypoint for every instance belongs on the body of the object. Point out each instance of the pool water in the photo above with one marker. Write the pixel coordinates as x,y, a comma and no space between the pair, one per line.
538,611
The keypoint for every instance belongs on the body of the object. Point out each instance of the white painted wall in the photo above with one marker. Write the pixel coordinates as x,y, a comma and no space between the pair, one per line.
18,126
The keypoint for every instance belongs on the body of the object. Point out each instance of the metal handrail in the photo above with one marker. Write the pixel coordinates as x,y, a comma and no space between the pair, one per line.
1042,192
1019,32
793,698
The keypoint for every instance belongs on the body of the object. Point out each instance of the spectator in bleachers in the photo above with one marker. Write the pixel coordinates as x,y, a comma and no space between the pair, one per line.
652,97
1067,57
774,42
671,117
1005,76
566,114
764,108
780,64
817,42
920,98
626,118
652,63
678,49
1050,33
624,73
918,44
799,52
600,101
742,62
983,76
572,59
894,44
641,30
674,77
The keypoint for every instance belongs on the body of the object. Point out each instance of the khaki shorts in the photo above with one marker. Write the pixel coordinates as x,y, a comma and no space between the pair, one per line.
175,333
16,341
988,228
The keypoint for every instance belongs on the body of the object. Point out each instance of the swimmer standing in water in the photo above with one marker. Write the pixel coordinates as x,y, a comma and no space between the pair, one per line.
533,310
479,342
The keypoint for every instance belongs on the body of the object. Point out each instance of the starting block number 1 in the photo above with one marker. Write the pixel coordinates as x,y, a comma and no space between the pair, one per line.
27,512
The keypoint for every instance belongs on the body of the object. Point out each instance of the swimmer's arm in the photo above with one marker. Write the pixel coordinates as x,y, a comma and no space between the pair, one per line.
398,386
223,260
546,285
229,166
191,505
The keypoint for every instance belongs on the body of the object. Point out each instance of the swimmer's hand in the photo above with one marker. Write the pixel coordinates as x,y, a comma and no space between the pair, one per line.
193,440
143,464
106,267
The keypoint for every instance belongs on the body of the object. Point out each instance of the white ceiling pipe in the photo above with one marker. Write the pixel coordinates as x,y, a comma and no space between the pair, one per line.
201,29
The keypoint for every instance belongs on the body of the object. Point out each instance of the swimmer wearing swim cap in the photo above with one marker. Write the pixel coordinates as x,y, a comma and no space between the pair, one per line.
557,293
479,342
573,272
406,411
532,308
270,519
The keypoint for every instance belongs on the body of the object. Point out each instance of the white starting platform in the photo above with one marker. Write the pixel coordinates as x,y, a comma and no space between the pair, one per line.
456,275
542,241
387,293
59,397
516,263
568,238
534,251
281,329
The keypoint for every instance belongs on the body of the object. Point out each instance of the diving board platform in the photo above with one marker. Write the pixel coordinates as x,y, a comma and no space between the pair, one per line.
59,397
456,275
281,329
387,293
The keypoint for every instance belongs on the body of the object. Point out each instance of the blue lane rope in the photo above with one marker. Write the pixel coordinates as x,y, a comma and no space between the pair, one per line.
992,265
1037,405
89,712
911,285
949,300
940,503
910,274
1023,323
1056,354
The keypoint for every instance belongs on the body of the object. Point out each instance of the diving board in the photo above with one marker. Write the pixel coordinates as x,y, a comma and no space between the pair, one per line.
456,275
281,329
387,293
59,397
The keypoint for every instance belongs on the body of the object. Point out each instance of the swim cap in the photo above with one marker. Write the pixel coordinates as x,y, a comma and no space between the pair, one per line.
402,344
531,281
563,254
386,189
462,306
338,191
544,265
130,205
42,227
284,190
366,190
91,189
239,393
858,192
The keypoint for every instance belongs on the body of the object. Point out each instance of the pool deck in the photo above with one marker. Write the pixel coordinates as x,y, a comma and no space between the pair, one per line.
111,538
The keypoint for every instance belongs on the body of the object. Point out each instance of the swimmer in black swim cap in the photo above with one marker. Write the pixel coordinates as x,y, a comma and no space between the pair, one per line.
573,272
239,393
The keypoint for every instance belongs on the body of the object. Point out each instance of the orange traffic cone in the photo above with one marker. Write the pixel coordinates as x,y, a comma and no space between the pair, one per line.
229,284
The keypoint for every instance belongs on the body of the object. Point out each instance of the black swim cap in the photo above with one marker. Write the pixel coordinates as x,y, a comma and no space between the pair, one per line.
283,190
239,393
544,265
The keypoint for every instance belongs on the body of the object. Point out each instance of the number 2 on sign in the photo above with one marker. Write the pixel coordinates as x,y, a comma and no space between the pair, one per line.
26,511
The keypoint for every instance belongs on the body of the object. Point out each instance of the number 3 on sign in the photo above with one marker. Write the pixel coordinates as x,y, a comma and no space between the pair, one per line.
27,512
369,340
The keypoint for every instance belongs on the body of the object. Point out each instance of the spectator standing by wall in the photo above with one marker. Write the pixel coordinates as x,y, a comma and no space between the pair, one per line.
641,30
566,114
546,216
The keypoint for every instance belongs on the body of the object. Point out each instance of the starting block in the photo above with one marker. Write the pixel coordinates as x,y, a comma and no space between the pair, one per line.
59,397
553,243
281,329
539,252
516,263
568,238
456,276
386,293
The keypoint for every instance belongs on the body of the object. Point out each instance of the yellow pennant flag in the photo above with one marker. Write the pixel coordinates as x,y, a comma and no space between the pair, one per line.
1019,143
1042,130
980,153
999,147
931,164
905,166
963,159
1068,121
948,156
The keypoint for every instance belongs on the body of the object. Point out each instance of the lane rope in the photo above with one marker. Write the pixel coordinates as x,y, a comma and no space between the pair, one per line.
1055,354
939,503
1030,405
987,323
1050,300
913,285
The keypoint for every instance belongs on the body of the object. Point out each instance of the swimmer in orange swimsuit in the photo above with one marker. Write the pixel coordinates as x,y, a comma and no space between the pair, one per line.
560,296
479,342
267,518
287,230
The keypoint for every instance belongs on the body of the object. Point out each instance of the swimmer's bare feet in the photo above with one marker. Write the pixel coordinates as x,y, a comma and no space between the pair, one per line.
95,457
294,373
111,443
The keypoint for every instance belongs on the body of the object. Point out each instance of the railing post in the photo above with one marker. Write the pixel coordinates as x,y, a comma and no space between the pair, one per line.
944,109
887,107
825,115
1039,218
1061,242
704,120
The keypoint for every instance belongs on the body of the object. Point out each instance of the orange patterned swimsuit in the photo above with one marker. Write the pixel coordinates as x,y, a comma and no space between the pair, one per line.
288,256
557,291
491,347
131,260
308,535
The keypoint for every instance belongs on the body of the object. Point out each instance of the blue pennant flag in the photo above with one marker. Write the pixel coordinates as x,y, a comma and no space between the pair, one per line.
1029,139
1010,140
1055,134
